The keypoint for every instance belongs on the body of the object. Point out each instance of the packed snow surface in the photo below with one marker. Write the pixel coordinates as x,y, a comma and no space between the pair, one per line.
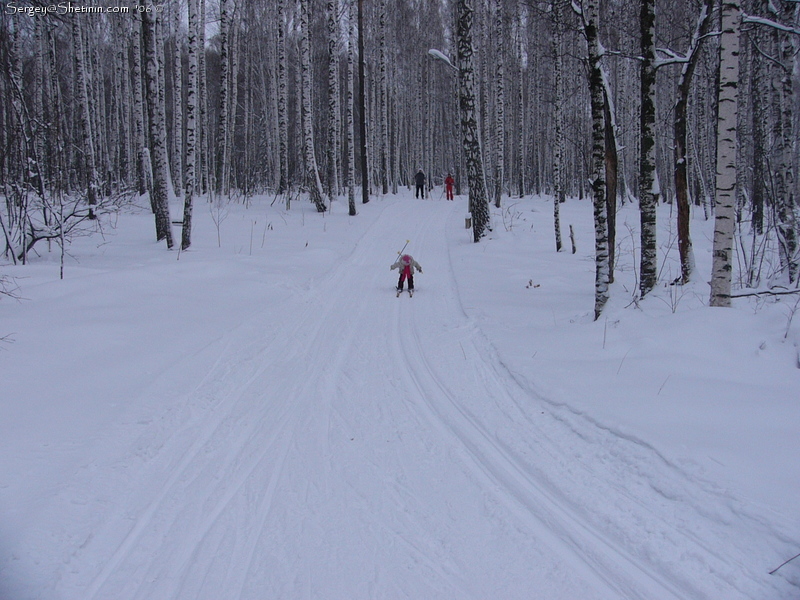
260,416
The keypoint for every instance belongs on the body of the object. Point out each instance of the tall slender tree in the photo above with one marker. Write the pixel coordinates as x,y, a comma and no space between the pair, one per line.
598,183
351,157
478,202
156,120
725,207
648,266
500,103
362,104
82,87
312,173
191,124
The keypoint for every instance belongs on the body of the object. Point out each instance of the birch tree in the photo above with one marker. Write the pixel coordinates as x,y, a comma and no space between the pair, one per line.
82,88
560,101
156,120
334,117
191,125
362,105
177,107
283,92
143,167
222,119
312,173
383,91
597,179
478,202
648,265
500,104
351,157
724,221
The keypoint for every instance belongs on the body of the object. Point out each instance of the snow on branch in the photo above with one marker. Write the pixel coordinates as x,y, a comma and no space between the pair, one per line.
769,23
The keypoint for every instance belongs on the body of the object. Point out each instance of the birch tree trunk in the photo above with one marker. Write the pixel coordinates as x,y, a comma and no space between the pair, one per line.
334,119
724,221
558,150
500,104
478,202
82,89
648,265
383,90
156,120
233,103
312,173
143,167
203,127
283,92
362,105
177,110
351,156
191,125
597,180
222,124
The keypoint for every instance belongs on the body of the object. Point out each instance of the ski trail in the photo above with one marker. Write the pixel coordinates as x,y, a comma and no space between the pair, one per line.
350,444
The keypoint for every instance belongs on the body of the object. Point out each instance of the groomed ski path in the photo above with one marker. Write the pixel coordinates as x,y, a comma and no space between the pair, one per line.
346,443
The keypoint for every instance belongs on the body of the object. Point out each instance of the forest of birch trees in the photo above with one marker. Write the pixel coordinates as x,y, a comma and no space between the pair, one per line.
691,103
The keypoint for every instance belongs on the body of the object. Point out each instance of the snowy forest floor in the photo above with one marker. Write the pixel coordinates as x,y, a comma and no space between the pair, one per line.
260,416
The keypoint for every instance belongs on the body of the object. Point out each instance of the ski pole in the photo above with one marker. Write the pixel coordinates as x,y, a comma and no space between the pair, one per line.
399,252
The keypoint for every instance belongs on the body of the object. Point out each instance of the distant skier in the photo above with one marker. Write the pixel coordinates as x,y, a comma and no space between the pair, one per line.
419,179
448,186
406,264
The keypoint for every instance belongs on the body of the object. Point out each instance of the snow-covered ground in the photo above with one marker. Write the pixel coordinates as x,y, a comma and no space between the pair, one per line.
261,417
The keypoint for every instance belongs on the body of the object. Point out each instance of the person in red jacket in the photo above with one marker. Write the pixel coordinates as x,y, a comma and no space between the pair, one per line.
448,186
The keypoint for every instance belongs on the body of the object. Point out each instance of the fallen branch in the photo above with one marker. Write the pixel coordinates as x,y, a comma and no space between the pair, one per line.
766,293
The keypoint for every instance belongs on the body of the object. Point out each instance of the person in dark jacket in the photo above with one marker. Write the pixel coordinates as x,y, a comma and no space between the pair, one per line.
419,179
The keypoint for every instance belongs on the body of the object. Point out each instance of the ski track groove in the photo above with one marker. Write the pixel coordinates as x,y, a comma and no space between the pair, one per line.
501,468
213,423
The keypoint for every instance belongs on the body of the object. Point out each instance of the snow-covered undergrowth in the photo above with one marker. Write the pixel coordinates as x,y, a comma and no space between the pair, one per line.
260,417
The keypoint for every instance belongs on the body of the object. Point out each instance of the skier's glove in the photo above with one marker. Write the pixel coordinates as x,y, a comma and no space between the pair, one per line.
420,270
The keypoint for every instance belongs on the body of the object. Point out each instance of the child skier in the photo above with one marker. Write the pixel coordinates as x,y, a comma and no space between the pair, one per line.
406,264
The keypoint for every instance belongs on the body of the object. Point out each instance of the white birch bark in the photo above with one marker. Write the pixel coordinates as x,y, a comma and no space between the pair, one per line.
500,104
177,108
143,168
478,202
283,92
383,92
648,265
191,125
312,172
351,138
233,103
82,88
334,119
724,221
222,124
598,183
156,120
558,149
